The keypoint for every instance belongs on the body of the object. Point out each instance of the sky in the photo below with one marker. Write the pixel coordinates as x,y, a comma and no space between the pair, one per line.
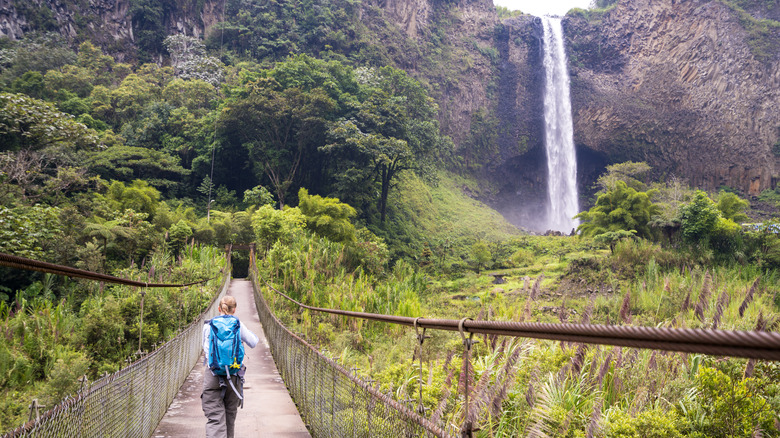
543,7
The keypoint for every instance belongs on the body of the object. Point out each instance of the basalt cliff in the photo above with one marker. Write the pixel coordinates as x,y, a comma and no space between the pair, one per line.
691,87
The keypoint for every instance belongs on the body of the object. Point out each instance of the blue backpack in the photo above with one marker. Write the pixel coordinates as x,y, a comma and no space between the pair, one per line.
226,352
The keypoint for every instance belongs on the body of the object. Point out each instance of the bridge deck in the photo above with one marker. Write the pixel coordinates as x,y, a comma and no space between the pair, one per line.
268,409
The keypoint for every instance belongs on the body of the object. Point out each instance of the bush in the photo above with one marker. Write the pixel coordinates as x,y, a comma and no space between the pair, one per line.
654,423
731,407
272,225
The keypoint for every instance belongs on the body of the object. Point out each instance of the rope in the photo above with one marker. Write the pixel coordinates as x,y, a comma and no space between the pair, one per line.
746,344
17,262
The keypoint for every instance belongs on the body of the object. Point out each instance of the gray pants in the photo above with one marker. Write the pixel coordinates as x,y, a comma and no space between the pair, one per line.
220,410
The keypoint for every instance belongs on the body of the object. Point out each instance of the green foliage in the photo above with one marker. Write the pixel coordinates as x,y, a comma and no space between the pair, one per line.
627,172
386,157
621,208
602,4
148,25
139,196
35,52
29,231
272,225
731,406
612,238
327,217
732,207
126,163
273,30
191,94
178,235
481,255
653,423
189,60
703,223
504,12
258,196
482,143
31,124
276,128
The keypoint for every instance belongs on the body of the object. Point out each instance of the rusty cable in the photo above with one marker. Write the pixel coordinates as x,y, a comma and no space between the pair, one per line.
17,262
736,343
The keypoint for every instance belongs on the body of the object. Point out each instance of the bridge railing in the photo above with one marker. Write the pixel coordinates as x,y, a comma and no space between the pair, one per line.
132,401
331,400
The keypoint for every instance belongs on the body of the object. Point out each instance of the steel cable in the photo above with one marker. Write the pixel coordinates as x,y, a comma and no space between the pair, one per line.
746,344
13,261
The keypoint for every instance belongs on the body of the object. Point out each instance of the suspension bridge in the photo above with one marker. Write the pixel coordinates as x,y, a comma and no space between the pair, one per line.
293,390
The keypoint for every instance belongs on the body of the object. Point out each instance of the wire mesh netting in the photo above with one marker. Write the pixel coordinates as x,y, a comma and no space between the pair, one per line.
132,401
331,400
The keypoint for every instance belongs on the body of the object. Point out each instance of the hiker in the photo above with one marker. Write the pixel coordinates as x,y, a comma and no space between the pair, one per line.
223,383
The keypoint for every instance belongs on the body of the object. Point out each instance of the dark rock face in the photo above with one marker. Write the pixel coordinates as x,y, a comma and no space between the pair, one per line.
676,84
520,172
107,23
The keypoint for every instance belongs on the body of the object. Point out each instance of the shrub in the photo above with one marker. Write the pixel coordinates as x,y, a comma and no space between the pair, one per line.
732,407
272,225
654,423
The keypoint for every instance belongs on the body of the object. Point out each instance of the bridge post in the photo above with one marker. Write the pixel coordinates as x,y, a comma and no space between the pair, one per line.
467,431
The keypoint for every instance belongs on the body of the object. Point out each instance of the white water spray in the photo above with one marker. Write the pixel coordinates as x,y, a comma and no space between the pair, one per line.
558,132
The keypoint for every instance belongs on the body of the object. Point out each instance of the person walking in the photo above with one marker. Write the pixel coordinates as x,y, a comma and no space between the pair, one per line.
222,394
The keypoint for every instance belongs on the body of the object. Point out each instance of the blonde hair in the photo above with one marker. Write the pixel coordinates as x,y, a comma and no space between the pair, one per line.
227,305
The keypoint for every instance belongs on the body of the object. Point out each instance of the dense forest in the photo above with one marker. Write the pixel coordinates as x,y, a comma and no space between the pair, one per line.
312,129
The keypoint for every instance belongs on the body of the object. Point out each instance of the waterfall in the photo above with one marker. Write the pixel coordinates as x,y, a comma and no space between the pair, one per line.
558,132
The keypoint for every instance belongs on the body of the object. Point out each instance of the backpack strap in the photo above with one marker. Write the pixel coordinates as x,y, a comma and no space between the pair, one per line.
230,379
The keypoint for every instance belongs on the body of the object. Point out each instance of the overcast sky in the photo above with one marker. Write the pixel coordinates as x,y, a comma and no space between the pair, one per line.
542,7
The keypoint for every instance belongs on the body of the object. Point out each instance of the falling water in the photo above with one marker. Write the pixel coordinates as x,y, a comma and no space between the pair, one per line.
559,132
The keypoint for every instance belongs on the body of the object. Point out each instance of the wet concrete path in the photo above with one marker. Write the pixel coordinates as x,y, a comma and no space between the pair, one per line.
268,409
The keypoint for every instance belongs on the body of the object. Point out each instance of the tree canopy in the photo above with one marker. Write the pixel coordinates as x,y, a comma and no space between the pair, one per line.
621,208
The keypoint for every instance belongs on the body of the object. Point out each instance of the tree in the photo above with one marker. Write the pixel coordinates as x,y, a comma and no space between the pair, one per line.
189,59
258,196
385,157
93,60
327,217
277,128
612,238
39,52
480,252
107,231
32,124
192,94
29,231
272,225
626,172
699,218
178,235
621,208
393,130
732,207
125,163
139,196
703,223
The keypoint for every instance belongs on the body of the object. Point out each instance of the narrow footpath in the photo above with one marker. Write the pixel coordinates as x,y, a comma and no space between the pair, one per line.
268,409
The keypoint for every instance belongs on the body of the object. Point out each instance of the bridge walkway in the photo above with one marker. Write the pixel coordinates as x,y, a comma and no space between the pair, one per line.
268,409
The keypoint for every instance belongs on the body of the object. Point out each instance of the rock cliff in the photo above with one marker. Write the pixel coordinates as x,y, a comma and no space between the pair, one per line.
680,84
108,23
